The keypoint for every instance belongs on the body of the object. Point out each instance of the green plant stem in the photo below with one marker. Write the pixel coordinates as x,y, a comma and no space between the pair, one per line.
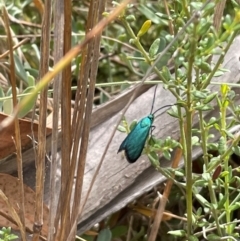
145,54
185,5
136,41
189,111
227,153
204,132
163,171
236,199
152,82
189,171
181,120
226,168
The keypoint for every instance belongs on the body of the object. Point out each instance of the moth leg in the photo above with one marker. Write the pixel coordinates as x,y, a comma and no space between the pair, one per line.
152,129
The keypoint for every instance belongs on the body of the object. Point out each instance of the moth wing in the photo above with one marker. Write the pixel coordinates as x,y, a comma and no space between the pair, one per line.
134,143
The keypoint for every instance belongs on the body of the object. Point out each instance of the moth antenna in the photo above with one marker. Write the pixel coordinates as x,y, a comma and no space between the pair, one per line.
154,95
162,108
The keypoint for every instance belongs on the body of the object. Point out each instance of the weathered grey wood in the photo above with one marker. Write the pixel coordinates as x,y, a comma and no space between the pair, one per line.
99,115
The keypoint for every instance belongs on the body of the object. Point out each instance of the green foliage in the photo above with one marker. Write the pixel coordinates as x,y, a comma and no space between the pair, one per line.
191,55
109,234
24,70
119,231
6,235
105,235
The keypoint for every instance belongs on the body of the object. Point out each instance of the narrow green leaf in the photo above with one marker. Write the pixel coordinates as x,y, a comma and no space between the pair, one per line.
131,18
236,150
222,146
213,236
206,176
224,174
1,96
205,67
204,107
119,231
210,97
167,155
32,72
199,211
25,109
104,235
20,71
30,80
8,106
178,233
153,50
122,129
166,73
203,27
133,124
195,140
193,238
202,200
210,40
212,121
234,206
153,158
149,14
173,112
199,94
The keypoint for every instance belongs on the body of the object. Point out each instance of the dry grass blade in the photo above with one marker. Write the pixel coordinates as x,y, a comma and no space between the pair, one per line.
95,14
163,200
217,19
39,5
83,111
170,24
58,53
14,47
77,128
218,14
130,229
66,190
14,214
120,7
16,124
97,29
40,162
64,62
84,102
